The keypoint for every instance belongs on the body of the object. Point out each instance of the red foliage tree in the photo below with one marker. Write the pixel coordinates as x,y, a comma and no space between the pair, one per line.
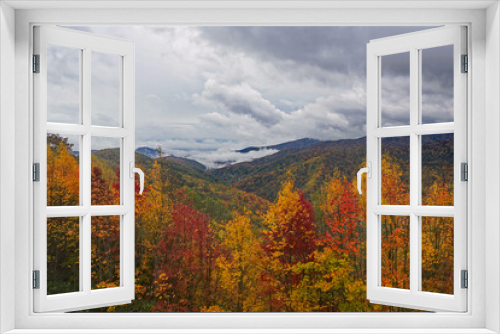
188,260
341,216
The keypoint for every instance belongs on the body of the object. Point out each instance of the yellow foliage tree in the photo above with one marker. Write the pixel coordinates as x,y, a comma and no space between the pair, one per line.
290,238
240,265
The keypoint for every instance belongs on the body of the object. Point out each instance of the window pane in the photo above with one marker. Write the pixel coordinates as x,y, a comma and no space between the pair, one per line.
105,252
106,85
63,255
395,180
395,89
63,171
437,254
106,171
63,84
395,251
437,84
437,170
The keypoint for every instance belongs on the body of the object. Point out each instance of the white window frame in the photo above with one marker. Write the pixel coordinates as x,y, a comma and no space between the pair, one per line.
413,44
86,44
483,21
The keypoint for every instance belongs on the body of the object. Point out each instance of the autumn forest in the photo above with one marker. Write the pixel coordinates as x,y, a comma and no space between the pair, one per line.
282,233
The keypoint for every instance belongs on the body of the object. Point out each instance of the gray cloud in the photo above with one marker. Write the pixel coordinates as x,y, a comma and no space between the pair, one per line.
339,49
63,85
241,99
205,92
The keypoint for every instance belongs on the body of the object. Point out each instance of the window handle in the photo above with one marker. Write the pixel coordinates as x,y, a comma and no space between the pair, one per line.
139,171
368,171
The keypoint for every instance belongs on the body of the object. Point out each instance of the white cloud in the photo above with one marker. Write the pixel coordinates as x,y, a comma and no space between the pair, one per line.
240,99
222,158
200,98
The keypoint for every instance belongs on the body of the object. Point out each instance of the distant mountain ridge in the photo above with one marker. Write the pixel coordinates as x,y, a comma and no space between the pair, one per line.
294,144
299,143
148,151
308,165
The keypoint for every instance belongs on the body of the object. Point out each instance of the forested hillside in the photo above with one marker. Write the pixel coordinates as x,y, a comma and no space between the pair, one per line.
286,232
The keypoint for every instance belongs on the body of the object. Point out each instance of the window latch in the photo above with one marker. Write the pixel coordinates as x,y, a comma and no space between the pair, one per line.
132,171
368,171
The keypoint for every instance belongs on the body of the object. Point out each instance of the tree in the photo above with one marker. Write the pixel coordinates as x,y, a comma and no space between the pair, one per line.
188,252
341,216
289,238
63,173
395,184
154,214
240,264
63,182
105,231
437,243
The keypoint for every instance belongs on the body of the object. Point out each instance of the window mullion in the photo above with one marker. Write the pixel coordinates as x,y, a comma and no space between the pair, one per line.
414,172
421,211
86,175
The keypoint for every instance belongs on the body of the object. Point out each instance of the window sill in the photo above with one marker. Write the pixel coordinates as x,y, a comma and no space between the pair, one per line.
250,331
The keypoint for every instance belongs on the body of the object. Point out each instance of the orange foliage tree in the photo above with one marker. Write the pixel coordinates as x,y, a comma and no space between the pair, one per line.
241,262
290,238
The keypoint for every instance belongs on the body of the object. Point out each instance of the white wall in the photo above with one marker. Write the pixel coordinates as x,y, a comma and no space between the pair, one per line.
7,161
478,127
492,166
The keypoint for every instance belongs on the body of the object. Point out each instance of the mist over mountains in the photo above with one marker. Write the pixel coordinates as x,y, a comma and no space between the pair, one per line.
221,159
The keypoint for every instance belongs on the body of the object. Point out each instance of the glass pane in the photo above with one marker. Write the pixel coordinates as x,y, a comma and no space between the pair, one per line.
396,251
105,252
395,89
63,255
105,171
63,171
437,169
437,84
63,84
106,85
395,171
437,254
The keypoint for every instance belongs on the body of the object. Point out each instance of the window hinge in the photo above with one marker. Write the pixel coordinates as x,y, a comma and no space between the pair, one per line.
36,63
465,279
36,279
465,63
464,171
36,172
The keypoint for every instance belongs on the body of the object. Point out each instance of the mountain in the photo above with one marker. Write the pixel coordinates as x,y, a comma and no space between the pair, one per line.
185,161
207,192
153,153
147,151
256,184
299,143
309,162
77,153
310,166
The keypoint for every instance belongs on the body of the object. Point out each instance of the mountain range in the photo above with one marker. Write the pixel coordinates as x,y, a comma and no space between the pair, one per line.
299,143
295,144
309,162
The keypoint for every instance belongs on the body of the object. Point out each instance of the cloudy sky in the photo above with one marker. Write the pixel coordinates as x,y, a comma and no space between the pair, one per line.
203,92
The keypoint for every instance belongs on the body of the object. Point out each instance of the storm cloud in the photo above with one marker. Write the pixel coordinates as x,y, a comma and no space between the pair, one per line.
205,92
